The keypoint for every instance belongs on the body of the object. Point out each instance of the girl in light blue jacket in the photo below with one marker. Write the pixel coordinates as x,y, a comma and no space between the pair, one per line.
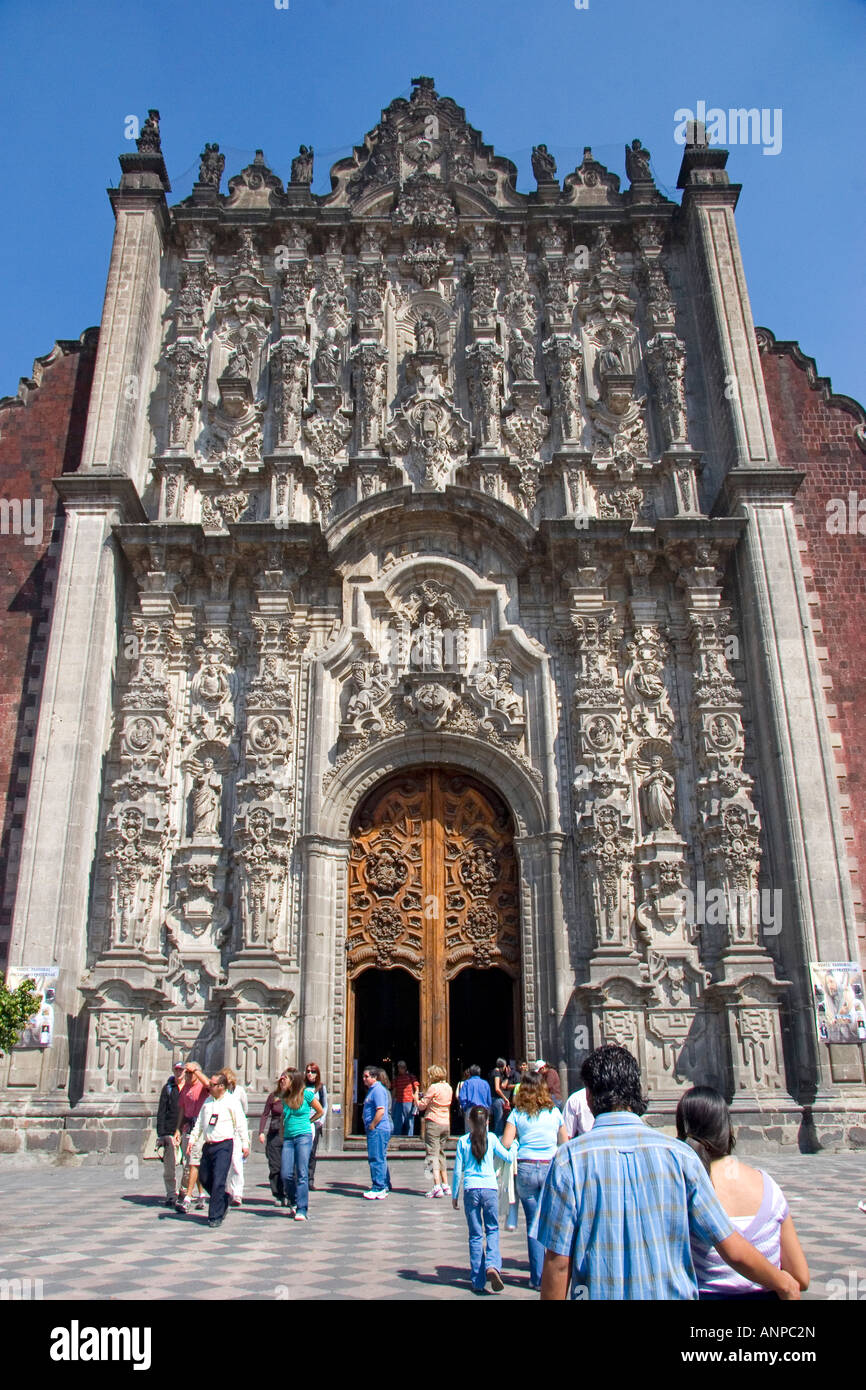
474,1167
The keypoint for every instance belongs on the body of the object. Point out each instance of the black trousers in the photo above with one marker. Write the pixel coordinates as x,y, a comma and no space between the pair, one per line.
216,1160
274,1155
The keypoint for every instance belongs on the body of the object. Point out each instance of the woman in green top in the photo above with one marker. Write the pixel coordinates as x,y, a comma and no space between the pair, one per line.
300,1109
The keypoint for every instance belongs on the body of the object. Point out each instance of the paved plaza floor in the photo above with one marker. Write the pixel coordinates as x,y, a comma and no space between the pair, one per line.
99,1231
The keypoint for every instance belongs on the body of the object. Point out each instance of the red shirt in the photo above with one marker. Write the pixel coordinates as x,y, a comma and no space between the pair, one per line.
192,1098
403,1085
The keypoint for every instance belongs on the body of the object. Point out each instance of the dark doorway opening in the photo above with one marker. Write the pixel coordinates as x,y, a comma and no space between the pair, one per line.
387,1026
481,1024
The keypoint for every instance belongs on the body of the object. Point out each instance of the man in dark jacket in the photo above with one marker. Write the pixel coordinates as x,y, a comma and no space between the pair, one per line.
166,1125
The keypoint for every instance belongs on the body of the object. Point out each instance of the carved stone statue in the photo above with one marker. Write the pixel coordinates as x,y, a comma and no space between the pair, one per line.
370,690
329,359
659,791
212,164
302,166
522,356
543,164
637,164
609,361
206,800
426,335
240,362
427,644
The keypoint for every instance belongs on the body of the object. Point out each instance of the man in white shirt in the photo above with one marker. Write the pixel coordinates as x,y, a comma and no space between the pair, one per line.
577,1116
212,1137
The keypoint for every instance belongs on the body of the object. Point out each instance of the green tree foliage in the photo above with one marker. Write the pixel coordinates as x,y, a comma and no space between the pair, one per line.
16,1006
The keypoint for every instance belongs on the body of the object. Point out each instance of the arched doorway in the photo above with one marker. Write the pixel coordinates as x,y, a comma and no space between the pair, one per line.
433,894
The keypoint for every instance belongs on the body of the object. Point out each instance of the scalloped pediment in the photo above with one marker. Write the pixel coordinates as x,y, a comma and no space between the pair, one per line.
427,135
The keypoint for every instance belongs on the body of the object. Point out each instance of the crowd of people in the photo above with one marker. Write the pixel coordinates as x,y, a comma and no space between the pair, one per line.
614,1208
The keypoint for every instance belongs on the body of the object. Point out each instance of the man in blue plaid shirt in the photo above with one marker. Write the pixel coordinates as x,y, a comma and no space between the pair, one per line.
621,1202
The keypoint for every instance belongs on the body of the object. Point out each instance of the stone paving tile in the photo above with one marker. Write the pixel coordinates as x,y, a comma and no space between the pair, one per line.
103,1236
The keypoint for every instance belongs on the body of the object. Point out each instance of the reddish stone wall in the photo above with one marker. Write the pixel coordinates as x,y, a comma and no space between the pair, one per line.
818,433
41,436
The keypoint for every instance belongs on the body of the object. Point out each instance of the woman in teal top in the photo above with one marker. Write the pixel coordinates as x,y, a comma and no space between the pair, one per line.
473,1165
300,1109
537,1125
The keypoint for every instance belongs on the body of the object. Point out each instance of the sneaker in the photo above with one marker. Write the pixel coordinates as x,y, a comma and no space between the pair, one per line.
182,1205
300,1216
215,1220
170,1202
375,1196
236,1201
861,1206
434,1192
201,1204
441,1192
494,1279
290,1209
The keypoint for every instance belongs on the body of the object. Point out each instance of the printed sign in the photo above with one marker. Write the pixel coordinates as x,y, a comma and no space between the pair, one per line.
837,992
38,1030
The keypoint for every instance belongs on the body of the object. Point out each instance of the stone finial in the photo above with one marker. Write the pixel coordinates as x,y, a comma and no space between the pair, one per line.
302,166
148,141
543,164
423,84
211,166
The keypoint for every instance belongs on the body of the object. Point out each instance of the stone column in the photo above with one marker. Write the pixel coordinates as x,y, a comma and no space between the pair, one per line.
323,867
129,331
802,811
49,925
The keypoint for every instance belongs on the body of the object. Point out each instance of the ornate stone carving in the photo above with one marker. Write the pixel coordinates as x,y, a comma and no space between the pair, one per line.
369,361
526,426
428,433
371,690
211,167
563,355
262,858
484,363
327,428
289,368
137,845
187,360
255,186
114,1035
431,703
666,359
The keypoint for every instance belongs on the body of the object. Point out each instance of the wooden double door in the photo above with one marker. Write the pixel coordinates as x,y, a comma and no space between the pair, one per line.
433,895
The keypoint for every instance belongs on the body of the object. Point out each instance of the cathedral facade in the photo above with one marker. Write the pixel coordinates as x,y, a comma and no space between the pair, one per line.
430,672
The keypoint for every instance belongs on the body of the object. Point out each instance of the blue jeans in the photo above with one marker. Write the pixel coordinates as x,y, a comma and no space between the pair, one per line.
377,1154
497,1117
481,1205
295,1171
530,1181
402,1118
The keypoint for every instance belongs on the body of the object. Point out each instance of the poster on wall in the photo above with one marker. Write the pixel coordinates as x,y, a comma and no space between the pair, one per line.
837,992
39,1029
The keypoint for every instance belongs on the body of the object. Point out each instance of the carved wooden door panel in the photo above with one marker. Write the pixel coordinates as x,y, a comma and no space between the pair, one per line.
433,889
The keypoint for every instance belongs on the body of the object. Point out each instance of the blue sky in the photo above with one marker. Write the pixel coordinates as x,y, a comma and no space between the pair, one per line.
246,74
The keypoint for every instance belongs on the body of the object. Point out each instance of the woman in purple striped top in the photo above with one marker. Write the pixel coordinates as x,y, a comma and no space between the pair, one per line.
754,1202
